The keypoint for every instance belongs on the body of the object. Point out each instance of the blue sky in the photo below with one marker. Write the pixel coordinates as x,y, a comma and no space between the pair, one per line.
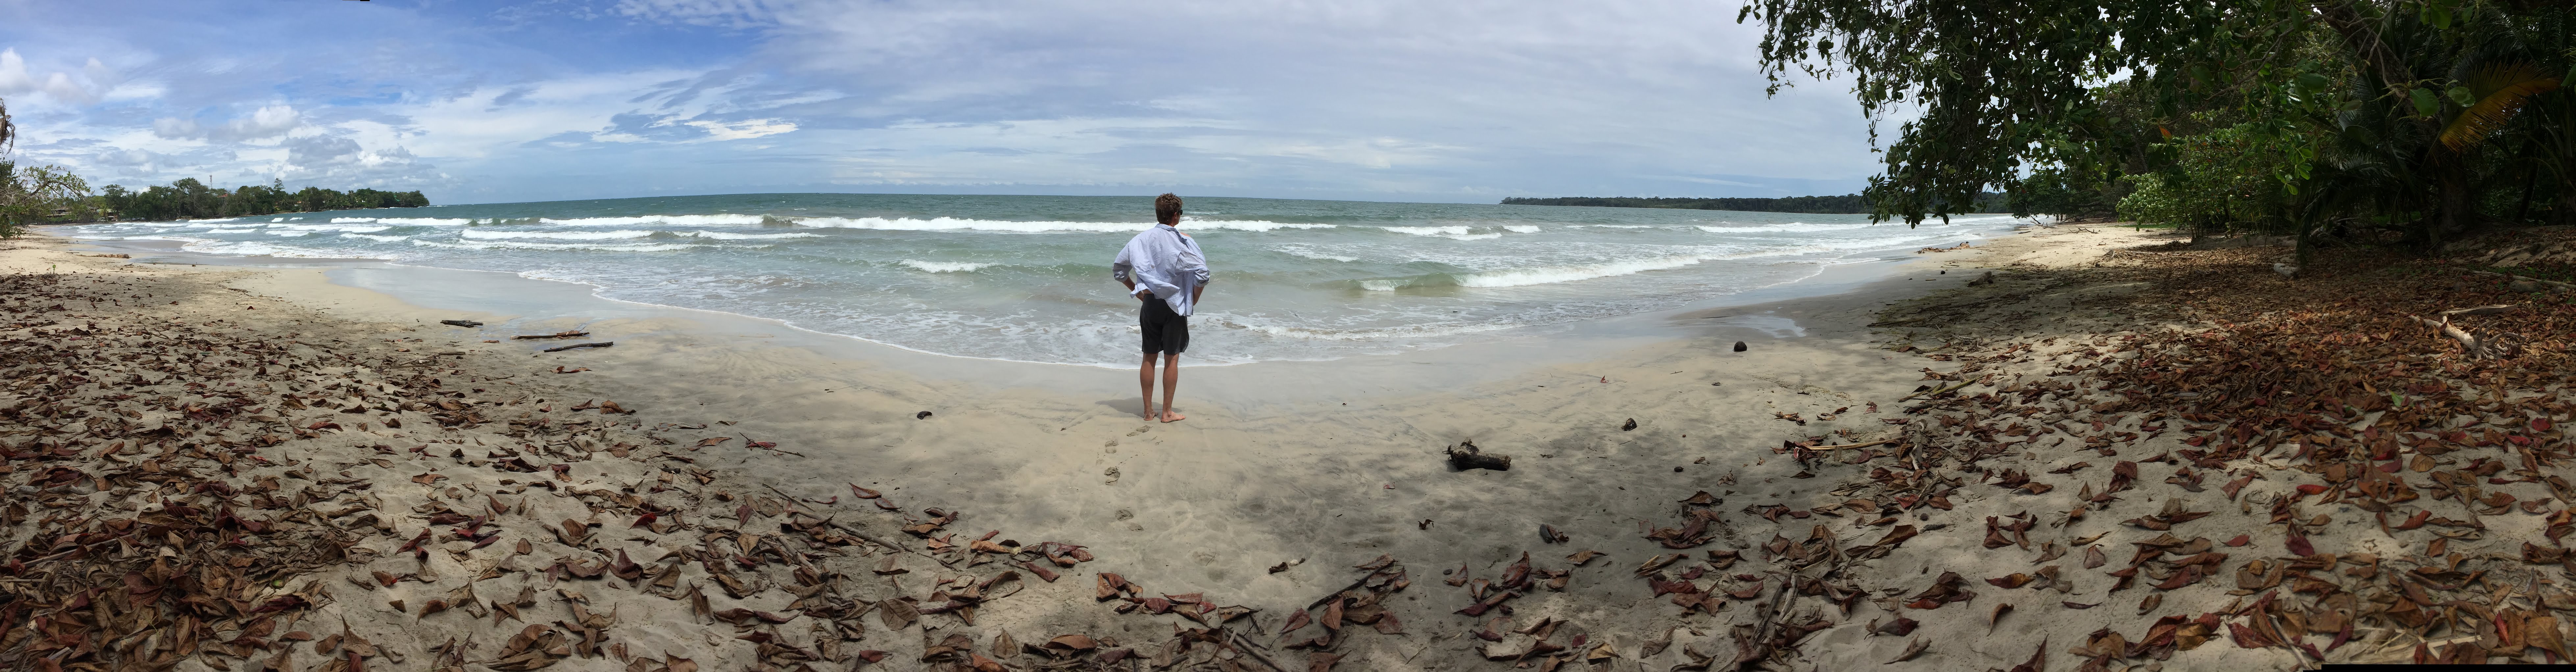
477,102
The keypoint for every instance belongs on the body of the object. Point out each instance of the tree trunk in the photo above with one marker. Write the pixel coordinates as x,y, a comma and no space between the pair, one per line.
2458,213
2566,214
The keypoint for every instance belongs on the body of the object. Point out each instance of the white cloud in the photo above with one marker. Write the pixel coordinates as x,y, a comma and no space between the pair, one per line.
267,122
745,129
15,78
1433,99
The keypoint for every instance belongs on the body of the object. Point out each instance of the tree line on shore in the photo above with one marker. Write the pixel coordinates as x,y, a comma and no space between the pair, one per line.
1847,204
32,195
2342,121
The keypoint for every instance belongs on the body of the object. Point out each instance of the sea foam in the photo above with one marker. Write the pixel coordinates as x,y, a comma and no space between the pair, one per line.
948,266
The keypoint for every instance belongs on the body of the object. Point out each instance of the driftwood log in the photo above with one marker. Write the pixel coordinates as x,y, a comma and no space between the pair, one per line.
2502,345
601,344
461,323
1465,456
559,334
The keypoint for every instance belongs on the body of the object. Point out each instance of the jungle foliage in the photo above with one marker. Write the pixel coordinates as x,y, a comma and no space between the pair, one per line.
2362,120
54,195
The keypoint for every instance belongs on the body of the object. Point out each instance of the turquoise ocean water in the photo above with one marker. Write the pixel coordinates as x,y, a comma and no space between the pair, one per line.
1026,278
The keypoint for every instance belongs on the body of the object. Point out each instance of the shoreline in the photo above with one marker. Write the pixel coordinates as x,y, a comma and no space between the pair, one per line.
1316,466
1827,279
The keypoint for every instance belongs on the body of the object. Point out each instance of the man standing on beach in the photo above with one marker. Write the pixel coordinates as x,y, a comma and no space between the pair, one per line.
1163,268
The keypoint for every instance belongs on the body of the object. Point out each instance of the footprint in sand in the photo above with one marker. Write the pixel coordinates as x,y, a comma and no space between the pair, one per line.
1111,444
1112,473
1141,430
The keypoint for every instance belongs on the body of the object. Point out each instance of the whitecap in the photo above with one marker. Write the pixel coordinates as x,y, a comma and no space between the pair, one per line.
1295,251
254,248
719,235
948,266
954,224
1521,277
380,239
672,220
523,245
1245,225
1449,232
1521,229
342,228
480,234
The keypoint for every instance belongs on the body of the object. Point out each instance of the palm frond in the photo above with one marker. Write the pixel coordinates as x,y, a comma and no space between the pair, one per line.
2501,89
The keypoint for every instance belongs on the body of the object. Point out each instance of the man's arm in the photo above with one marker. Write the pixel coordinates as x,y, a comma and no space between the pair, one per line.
1195,265
1123,270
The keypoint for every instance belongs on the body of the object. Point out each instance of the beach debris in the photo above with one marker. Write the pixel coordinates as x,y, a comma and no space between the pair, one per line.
2495,345
1912,649
1739,347
1987,278
577,346
1632,425
559,334
461,323
1283,566
1548,534
1466,455
564,370
924,415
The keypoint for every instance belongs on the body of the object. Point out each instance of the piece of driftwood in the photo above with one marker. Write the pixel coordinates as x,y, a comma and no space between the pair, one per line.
2503,345
575,346
559,334
2482,310
1465,456
461,323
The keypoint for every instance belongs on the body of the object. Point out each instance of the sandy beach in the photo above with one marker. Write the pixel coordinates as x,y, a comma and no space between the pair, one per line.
1906,469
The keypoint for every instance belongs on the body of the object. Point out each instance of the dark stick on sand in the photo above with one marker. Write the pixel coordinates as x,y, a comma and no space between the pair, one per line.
601,344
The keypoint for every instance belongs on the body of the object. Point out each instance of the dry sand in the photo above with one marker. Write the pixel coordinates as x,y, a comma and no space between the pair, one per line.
1317,466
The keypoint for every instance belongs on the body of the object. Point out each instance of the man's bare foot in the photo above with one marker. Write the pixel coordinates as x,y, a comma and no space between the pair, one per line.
1169,416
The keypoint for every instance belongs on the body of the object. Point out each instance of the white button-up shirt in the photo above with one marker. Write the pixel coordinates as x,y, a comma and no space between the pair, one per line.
1164,262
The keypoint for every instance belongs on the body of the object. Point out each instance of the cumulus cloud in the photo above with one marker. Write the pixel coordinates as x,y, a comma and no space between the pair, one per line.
15,78
267,122
1436,99
343,160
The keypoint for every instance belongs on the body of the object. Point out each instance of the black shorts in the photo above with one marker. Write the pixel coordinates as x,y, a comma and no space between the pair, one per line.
1165,331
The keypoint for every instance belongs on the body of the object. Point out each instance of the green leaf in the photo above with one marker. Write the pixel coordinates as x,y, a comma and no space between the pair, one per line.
2314,82
2461,95
2438,15
2425,104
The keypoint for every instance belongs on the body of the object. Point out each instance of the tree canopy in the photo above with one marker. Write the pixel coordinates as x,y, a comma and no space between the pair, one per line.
2399,119
1847,204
